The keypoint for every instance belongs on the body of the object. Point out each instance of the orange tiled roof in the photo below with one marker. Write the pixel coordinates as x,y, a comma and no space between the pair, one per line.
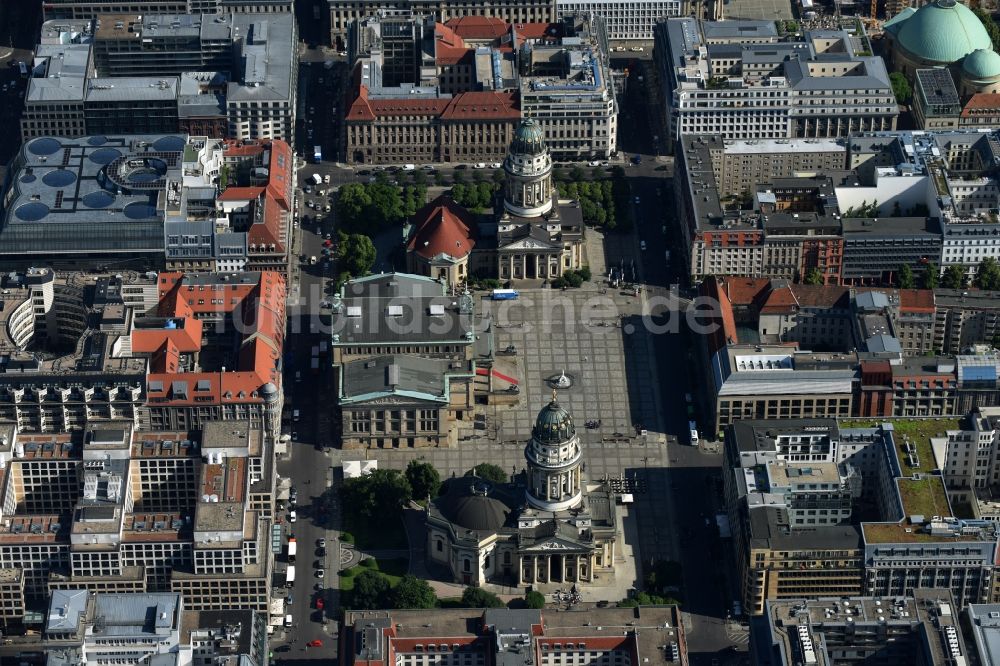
818,295
442,227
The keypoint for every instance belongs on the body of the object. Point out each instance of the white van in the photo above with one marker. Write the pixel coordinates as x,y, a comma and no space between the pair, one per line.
409,167
694,433
289,621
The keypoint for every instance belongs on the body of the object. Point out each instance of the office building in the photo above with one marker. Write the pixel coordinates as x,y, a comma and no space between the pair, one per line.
88,9
750,86
936,105
403,389
461,99
477,637
115,509
143,73
343,13
153,201
100,360
922,628
625,21
984,624
778,482
84,628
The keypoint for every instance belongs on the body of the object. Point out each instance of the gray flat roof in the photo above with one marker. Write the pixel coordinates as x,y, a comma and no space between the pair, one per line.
60,73
132,88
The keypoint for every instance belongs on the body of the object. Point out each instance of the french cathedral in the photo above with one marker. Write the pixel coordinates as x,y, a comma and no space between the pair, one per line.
531,233
548,526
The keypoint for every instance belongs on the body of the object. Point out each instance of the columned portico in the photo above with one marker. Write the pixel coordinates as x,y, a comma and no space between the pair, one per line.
558,567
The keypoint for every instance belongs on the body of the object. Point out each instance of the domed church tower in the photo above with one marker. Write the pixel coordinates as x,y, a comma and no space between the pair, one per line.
528,190
554,459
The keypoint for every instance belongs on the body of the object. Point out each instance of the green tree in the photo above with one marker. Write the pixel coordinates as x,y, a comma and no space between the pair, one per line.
597,173
352,201
906,279
371,591
929,280
424,479
490,472
534,599
356,254
988,274
577,173
900,88
413,592
813,276
378,494
954,277
499,176
991,27
477,597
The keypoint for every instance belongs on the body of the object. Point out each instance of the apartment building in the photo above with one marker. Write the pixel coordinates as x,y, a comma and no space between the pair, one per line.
404,358
756,87
479,637
920,628
88,9
454,92
90,75
345,12
965,318
114,509
625,21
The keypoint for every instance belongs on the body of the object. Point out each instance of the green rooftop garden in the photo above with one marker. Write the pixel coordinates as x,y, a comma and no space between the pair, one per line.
916,432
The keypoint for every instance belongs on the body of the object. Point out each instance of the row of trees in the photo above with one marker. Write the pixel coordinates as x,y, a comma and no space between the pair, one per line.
597,201
476,197
370,207
572,278
954,276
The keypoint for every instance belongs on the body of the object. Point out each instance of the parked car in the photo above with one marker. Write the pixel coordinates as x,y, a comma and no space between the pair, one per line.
479,165
320,573
292,516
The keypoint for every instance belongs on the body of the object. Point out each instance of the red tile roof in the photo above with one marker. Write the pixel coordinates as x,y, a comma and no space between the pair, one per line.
981,102
479,27
482,106
820,295
442,227
255,309
778,300
916,300
449,47
268,230
743,290
240,193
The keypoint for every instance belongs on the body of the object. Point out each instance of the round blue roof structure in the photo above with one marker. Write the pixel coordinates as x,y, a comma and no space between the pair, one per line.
44,146
943,32
31,212
169,144
982,64
139,210
59,178
104,155
99,199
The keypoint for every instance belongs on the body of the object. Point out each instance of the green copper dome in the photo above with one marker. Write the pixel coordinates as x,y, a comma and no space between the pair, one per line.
554,425
943,32
982,64
528,138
